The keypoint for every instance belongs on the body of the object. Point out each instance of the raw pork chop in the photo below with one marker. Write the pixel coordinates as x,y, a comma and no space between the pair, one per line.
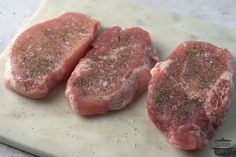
46,53
113,73
189,93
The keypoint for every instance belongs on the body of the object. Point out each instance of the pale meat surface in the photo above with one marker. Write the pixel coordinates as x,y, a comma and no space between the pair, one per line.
113,73
45,54
189,93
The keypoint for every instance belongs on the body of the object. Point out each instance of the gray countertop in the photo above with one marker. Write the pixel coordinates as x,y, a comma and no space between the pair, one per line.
15,13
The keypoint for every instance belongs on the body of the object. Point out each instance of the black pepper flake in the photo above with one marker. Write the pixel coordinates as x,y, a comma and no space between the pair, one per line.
192,51
184,107
162,95
38,67
126,37
82,82
206,79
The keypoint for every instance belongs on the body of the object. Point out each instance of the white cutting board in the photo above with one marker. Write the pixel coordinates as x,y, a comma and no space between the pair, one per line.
49,127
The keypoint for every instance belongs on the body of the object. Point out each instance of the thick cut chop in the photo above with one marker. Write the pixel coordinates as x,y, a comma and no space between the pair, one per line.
189,93
46,53
113,73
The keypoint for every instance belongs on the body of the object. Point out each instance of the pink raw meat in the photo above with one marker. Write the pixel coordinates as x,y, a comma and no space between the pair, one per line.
189,93
113,73
46,53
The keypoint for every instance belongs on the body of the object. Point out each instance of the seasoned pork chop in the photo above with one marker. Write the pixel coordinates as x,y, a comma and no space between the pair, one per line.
45,54
189,93
113,73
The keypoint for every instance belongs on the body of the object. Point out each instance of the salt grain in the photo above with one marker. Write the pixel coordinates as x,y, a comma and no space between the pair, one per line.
104,83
